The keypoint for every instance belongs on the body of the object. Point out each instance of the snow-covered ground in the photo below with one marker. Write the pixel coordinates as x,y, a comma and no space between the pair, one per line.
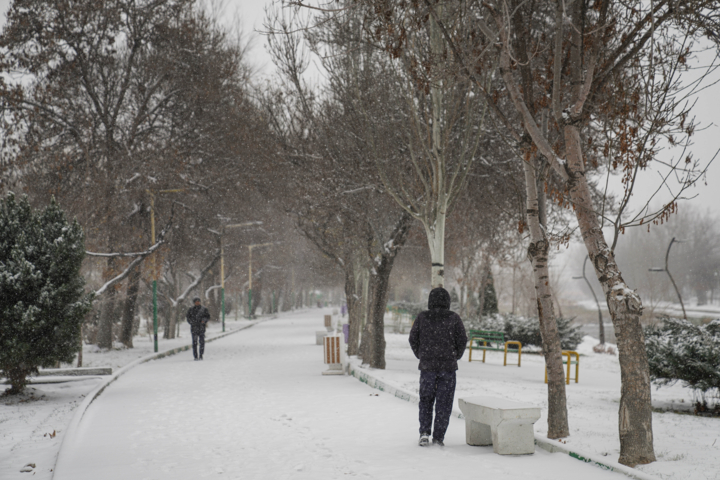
258,407
33,425
120,356
687,447
669,308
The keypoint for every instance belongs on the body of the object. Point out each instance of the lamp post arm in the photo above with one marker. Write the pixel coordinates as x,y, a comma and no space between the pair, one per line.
667,270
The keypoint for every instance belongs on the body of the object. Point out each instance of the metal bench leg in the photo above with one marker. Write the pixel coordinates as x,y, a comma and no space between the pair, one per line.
577,367
567,376
519,351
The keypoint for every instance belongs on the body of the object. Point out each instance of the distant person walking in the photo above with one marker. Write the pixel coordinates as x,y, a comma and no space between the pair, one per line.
438,339
197,317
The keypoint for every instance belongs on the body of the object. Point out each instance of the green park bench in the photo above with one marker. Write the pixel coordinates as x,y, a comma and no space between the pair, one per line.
490,340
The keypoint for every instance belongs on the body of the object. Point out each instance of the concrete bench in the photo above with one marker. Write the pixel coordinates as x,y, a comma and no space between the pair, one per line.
506,425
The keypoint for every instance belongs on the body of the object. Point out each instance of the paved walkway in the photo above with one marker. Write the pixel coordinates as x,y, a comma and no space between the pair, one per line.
258,408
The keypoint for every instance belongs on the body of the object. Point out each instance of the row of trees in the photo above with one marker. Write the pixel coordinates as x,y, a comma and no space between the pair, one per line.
129,110
568,88
488,125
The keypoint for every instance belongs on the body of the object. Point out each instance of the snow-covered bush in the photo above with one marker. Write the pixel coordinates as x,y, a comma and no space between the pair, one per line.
42,298
681,351
413,309
527,330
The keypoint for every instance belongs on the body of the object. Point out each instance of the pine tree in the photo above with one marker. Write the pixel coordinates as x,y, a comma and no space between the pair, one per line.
490,304
42,298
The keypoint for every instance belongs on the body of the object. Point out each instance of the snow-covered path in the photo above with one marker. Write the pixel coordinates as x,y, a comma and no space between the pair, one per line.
258,407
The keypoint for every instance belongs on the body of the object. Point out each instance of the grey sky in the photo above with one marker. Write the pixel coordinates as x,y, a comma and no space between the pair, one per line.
251,14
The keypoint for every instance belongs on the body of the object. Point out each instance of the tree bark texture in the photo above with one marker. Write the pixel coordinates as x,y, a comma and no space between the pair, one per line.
436,242
484,277
128,314
80,347
353,310
256,294
377,302
538,255
625,307
107,312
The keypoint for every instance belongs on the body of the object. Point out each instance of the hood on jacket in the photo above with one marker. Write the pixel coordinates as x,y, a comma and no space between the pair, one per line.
439,298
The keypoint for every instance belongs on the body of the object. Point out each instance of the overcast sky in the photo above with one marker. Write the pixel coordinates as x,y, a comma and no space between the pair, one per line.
251,14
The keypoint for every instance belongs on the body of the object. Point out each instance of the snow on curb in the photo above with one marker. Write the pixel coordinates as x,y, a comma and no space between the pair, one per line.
92,396
355,370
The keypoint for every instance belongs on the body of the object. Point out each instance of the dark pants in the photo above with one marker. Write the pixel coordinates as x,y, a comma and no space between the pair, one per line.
436,389
198,337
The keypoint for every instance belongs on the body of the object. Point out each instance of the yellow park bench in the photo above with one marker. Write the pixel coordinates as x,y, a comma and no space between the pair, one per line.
491,340
567,360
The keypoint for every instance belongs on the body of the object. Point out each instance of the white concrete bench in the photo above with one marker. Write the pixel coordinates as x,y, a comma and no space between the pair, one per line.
506,425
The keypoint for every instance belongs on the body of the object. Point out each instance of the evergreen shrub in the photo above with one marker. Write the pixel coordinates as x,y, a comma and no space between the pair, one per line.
42,298
527,330
681,351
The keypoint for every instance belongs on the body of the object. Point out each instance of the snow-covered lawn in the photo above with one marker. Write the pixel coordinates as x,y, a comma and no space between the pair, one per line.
687,447
33,425
120,356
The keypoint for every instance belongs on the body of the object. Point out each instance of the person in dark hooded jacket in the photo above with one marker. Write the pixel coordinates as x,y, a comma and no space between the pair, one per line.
198,317
438,339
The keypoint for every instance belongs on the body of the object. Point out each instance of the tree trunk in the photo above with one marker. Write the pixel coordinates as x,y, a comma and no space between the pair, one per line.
179,318
484,277
353,305
107,319
366,337
17,378
436,242
107,312
375,350
256,294
80,346
378,306
173,309
538,256
625,307
128,316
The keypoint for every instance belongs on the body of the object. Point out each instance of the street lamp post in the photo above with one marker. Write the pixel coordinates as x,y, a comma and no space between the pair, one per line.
667,270
600,319
154,266
222,265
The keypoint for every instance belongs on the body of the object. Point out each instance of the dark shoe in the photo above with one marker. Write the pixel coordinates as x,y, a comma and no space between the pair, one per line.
424,440
196,359
200,357
438,442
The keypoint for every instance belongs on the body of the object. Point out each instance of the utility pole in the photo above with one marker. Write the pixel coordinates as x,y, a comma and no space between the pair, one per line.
600,319
250,249
667,270
222,265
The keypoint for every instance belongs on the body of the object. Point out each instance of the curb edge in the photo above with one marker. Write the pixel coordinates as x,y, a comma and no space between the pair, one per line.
94,394
363,376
